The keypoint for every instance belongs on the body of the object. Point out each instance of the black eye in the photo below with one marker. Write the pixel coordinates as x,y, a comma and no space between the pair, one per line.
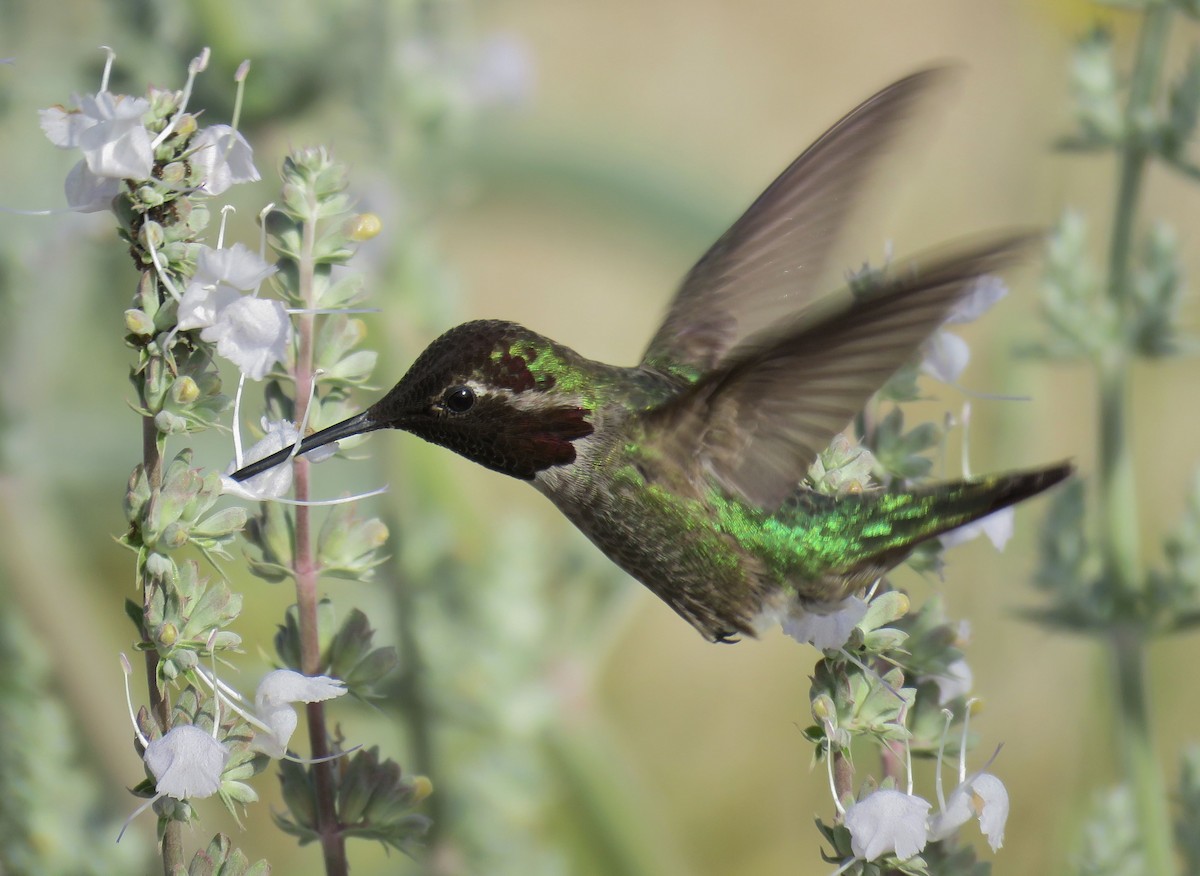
458,399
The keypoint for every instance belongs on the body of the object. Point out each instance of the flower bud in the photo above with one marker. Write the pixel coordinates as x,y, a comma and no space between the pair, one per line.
159,567
362,227
186,125
184,391
823,708
167,635
422,787
151,235
138,323
148,196
169,423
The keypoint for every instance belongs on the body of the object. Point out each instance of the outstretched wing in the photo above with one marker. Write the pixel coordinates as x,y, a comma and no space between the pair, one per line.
768,263
757,423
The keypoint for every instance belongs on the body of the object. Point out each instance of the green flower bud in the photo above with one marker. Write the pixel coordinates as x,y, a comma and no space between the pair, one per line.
137,493
148,196
174,536
185,126
166,636
138,323
160,567
169,423
184,391
174,173
823,708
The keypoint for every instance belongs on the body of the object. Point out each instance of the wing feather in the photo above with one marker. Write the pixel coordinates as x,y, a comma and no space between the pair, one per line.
770,261
757,423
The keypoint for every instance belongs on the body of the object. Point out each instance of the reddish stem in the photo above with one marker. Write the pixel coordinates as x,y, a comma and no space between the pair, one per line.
333,844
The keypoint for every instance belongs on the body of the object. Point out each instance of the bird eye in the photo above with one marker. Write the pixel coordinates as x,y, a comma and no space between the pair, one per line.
458,399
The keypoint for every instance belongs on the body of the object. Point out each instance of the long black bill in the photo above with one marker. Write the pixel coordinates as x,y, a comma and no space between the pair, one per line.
356,425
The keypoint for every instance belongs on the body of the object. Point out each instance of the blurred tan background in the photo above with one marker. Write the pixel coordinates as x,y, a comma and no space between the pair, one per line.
646,128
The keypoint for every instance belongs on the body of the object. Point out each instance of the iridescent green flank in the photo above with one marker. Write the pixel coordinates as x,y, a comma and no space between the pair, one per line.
814,536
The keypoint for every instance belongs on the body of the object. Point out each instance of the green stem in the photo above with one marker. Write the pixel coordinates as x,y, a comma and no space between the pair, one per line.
1117,488
1137,745
333,842
160,702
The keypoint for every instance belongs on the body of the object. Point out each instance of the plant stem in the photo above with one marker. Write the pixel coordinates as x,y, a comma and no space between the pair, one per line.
333,843
1119,525
160,702
1137,744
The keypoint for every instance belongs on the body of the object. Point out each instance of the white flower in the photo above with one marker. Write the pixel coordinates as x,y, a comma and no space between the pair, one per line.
252,333
186,762
88,193
219,273
108,129
272,705
946,354
955,682
985,292
275,481
998,527
825,631
888,822
223,157
503,72
981,794
946,357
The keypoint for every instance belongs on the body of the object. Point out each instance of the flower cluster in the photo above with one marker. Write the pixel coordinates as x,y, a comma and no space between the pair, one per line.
149,161
894,677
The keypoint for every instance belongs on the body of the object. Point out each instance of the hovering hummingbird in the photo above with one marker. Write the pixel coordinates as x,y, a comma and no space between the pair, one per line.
686,468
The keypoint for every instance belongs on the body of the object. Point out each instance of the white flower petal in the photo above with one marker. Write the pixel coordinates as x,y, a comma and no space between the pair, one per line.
224,158
186,762
62,128
237,265
272,704
252,333
270,484
825,631
88,193
287,686
998,527
956,682
274,482
888,822
118,149
985,292
989,799
282,720
946,356
982,794
503,74
957,813
201,304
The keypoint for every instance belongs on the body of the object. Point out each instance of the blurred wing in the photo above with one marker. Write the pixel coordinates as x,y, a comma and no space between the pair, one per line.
758,423
768,263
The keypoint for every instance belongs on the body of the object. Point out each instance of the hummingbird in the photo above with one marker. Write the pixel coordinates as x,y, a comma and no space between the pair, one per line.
686,469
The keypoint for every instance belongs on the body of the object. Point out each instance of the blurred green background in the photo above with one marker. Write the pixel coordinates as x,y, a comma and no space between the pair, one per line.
561,165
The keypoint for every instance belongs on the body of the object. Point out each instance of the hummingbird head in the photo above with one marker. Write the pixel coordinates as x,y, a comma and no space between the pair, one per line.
496,393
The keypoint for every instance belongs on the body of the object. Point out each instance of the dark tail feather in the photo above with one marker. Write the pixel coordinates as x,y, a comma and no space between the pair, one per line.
962,503
1000,491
